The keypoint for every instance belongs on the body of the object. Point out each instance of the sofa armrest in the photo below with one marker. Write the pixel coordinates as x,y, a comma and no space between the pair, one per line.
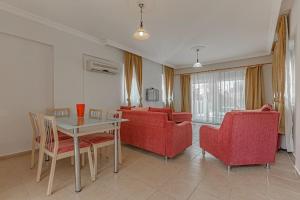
181,117
182,125
178,128
208,137
178,138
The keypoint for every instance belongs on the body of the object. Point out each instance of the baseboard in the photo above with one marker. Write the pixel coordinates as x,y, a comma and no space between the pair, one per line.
4,157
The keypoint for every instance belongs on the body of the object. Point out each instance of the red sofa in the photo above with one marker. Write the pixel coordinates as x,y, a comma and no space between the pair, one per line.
179,117
152,131
244,138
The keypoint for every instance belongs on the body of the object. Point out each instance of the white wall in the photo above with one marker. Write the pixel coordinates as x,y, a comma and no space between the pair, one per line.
152,78
26,84
68,69
295,33
71,83
267,74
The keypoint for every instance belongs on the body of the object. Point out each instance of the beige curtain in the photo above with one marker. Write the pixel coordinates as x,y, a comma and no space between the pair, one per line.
169,84
138,64
278,70
185,83
254,87
128,73
133,61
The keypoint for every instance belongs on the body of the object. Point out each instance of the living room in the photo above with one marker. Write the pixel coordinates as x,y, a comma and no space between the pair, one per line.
174,75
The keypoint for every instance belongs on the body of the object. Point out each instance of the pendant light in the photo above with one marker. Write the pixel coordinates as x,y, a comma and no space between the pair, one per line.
141,33
197,64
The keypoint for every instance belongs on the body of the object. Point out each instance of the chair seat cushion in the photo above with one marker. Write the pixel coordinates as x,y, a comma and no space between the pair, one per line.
61,136
68,145
98,138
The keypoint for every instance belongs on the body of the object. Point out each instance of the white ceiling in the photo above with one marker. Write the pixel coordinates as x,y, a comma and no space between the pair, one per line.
231,29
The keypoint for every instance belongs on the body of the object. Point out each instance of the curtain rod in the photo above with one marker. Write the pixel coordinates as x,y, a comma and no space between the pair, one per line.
224,69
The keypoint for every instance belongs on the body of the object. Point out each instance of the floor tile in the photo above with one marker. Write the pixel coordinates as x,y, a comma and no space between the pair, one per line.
147,176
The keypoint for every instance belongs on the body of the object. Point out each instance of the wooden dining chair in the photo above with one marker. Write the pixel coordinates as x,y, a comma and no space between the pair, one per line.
35,136
104,139
95,113
50,145
59,112
64,112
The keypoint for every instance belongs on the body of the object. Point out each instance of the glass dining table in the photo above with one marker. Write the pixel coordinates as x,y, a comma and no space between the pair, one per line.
75,127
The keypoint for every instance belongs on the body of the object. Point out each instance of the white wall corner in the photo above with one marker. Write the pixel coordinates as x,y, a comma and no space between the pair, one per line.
275,11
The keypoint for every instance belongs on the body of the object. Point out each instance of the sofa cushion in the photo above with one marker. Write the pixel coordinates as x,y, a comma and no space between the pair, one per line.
266,107
163,110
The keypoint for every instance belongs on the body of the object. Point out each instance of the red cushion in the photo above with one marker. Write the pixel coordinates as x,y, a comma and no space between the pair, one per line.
97,138
61,136
163,110
68,145
266,107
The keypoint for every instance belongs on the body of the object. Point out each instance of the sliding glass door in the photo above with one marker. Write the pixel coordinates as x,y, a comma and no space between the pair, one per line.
215,93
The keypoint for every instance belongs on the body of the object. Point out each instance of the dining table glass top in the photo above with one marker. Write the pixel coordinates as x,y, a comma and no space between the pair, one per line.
72,122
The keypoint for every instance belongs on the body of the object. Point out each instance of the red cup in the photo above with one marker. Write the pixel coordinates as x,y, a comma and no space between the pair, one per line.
80,109
80,121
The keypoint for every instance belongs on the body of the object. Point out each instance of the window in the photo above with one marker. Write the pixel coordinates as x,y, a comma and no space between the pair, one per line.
134,96
215,93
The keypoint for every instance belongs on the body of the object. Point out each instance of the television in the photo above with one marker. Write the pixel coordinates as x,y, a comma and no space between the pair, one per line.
152,94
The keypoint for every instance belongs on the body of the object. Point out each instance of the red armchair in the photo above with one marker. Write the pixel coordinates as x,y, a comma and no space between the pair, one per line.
244,138
153,132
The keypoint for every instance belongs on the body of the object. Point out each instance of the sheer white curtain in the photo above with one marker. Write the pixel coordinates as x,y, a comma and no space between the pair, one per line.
215,93
289,95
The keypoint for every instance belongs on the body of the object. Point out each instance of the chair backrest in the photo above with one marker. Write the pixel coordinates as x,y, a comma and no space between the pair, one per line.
49,134
145,118
99,114
250,135
35,125
114,114
95,113
59,112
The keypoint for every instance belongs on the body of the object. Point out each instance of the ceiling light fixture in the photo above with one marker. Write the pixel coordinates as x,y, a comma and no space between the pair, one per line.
197,64
141,33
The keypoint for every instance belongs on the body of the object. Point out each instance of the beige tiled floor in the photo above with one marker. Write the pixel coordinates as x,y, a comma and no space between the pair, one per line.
147,176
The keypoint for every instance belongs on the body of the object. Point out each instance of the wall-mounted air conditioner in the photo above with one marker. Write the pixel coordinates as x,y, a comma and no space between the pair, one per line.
95,64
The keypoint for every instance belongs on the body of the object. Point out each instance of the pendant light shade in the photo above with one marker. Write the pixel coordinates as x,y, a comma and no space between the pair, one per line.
197,64
141,33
